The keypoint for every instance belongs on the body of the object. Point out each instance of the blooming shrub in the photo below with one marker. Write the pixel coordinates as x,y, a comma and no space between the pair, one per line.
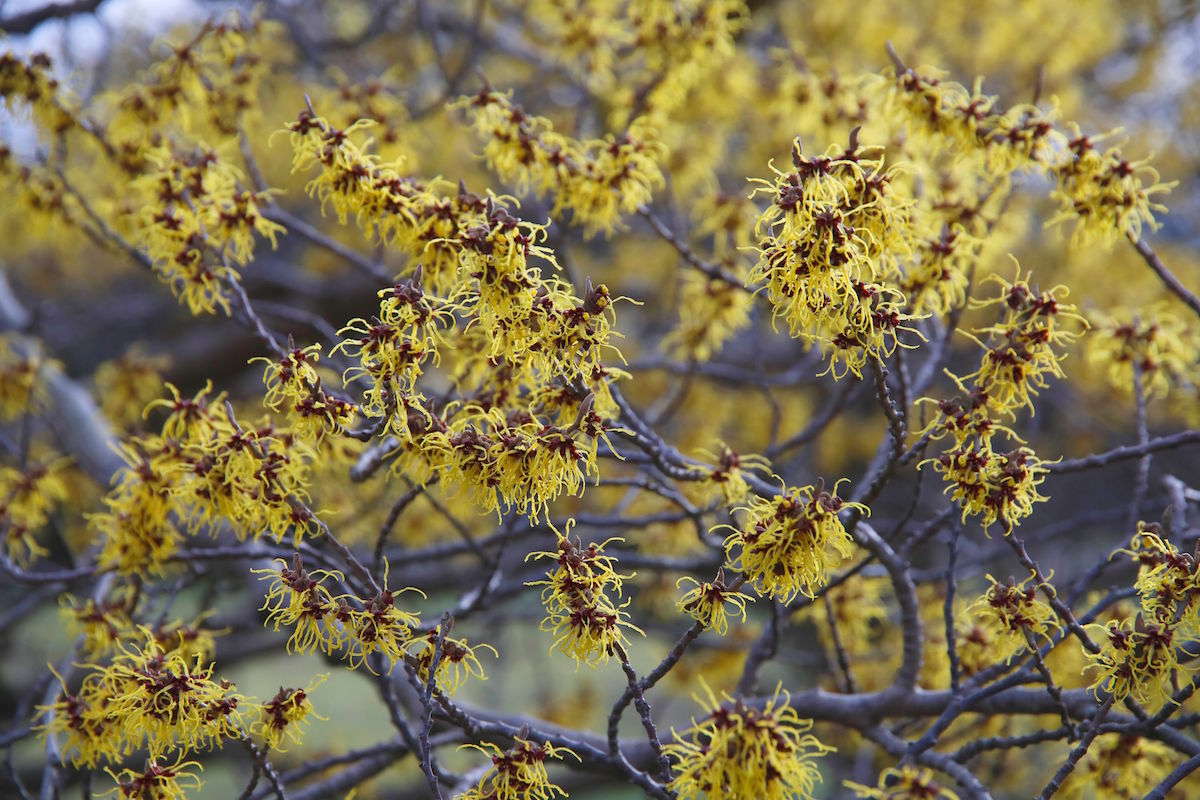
717,344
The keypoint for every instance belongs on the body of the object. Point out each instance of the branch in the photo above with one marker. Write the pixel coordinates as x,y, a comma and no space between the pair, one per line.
26,22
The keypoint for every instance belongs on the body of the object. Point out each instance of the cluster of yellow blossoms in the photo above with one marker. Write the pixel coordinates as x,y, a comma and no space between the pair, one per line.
518,773
27,498
583,604
739,751
154,696
203,469
596,181
333,624
1106,194
546,342
833,235
904,783
706,603
201,223
1138,658
21,389
1020,353
1162,346
788,544
1014,616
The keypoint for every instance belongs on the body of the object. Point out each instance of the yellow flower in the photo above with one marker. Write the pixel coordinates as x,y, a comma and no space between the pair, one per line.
587,623
744,753
458,663
995,487
1107,195
158,781
282,719
297,597
1015,615
1119,766
146,697
789,544
832,235
1163,347
27,498
1137,659
518,773
125,385
706,603
378,627
904,783
21,390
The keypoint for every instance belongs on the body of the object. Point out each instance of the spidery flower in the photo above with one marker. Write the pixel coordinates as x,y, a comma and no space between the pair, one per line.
518,773
283,718
299,598
1015,615
831,238
1025,347
746,753
1107,195
27,498
146,697
1163,347
158,781
459,660
1168,581
903,783
787,545
378,626
582,596
1118,766
707,602
1137,659
21,387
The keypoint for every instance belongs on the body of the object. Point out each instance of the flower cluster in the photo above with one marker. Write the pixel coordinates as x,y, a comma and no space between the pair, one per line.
1140,658
711,312
21,389
937,280
1163,347
597,181
197,222
344,623
1137,659
746,753
284,717
27,498
707,602
204,467
125,385
158,781
832,235
788,544
1168,581
518,773
1119,766
903,783
968,122
146,698
1025,347
1020,353
1106,194
583,604
519,340
458,662
294,385
1015,616
392,349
